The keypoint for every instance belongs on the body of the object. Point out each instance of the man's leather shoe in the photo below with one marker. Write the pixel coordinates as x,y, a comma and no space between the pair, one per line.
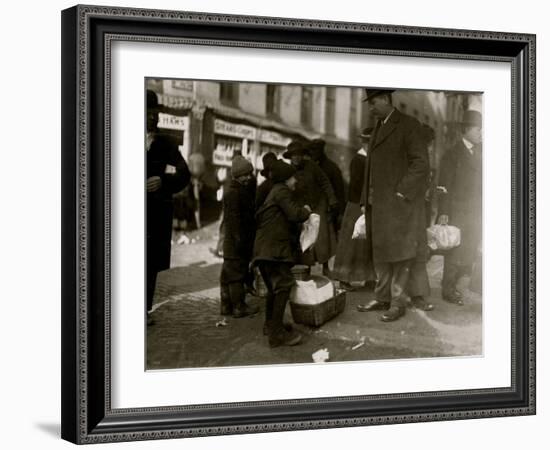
226,310
244,310
283,337
420,303
286,326
374,305
394,313
453,297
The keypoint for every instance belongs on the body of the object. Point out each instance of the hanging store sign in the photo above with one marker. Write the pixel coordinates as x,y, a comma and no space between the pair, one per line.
274,138
170,122
222,156
234,129
182,85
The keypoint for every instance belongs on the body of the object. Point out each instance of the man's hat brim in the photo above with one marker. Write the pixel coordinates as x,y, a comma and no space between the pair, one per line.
295,151
372,93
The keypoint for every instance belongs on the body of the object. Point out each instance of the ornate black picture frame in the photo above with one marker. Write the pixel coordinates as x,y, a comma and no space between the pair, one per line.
87,35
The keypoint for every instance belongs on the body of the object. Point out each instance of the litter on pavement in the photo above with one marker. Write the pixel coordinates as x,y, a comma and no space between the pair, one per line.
320,356
221,323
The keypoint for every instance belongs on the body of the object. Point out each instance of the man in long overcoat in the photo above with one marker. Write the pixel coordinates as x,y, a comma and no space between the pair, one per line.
313,188
273,251
396,174
460,191
167,173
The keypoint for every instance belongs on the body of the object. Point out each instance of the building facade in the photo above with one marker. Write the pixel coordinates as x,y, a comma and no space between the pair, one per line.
218,119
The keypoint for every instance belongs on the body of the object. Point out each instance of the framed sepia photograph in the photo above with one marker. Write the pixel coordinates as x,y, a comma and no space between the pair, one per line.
283,224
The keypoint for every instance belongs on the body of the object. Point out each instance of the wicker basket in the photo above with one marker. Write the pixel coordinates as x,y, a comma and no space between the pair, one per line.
317,315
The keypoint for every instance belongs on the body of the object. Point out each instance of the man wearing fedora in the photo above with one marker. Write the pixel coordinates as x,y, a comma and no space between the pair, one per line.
460,204
313,188
396,174
274,253
167,173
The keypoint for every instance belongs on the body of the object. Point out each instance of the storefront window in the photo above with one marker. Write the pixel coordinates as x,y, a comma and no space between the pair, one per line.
307,106
330,110
229,93
272,99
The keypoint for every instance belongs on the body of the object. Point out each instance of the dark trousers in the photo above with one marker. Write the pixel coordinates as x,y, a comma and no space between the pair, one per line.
392,279
452,272
419,284
151,284
234,275
279,281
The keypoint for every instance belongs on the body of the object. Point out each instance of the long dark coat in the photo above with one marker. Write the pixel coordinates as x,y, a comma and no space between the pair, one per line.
262,192
276,219
334,174
460,174
163,160
313,188
239,221
352,262
397,161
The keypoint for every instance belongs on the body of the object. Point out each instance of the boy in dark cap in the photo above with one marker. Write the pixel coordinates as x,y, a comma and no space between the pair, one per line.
273,252
240,227
263,189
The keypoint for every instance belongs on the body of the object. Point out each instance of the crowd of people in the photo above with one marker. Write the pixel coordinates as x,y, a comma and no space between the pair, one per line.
391,184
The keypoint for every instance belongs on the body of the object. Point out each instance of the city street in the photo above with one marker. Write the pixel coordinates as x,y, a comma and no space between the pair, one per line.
189,332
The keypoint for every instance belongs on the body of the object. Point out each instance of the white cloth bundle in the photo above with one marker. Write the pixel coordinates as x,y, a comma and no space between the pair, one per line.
312,292
310,231
360,228
443,237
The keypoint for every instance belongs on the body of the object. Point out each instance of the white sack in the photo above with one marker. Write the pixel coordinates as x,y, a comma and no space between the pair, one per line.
310,231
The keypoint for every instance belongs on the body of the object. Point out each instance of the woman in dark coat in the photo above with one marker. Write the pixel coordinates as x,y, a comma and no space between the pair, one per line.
334,174
167,173
273,252
352,263
313,188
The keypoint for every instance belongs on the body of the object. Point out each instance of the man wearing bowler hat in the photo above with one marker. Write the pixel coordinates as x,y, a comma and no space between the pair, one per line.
396,173
460,191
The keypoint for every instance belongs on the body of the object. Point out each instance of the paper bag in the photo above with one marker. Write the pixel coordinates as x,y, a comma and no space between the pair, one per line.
443,237
360,228
310,231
